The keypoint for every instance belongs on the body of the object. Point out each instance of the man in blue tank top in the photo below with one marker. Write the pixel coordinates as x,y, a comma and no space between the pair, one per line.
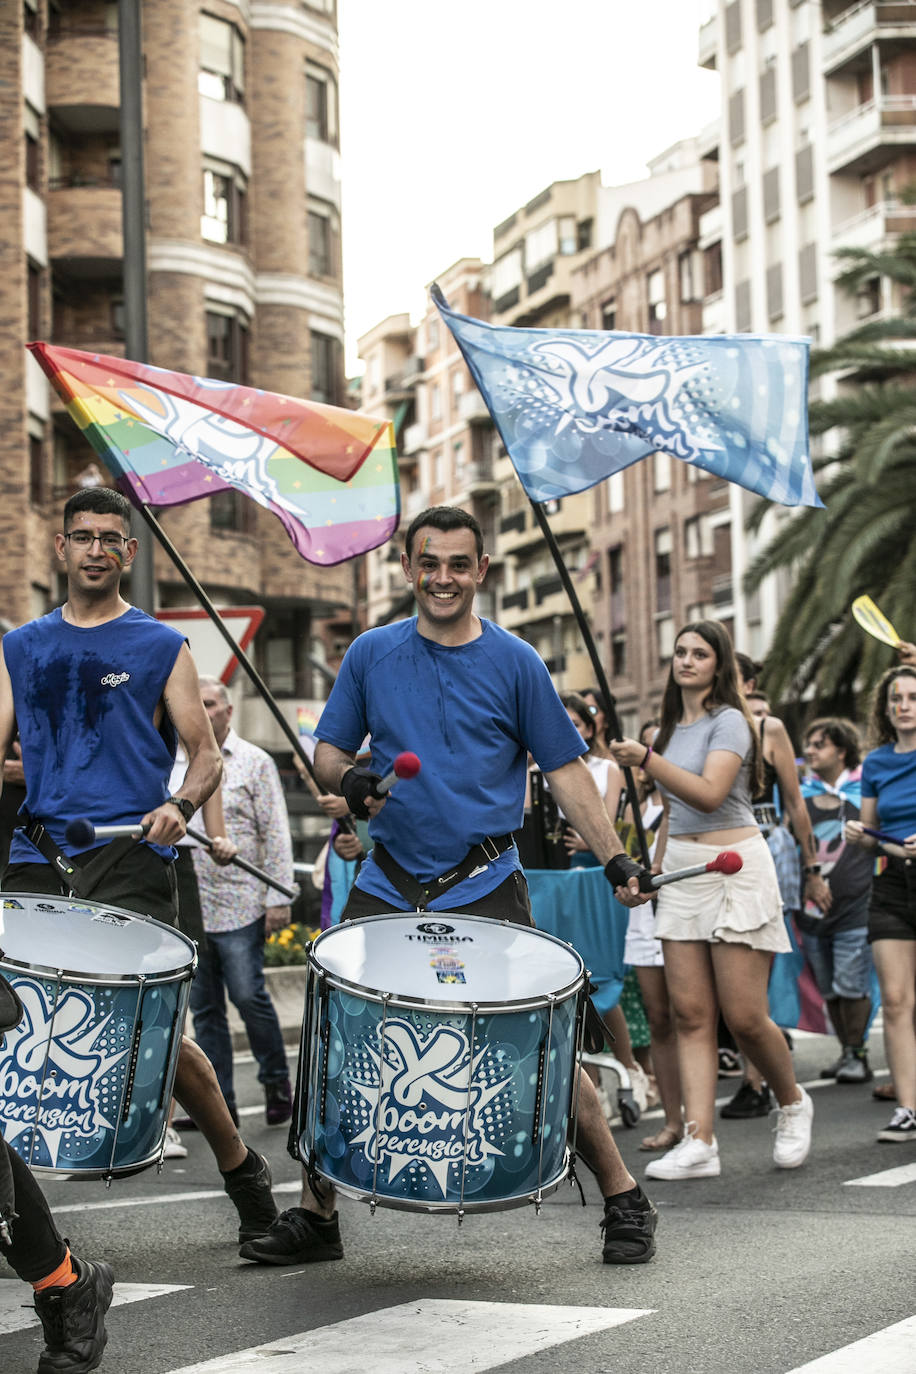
471,701
100,693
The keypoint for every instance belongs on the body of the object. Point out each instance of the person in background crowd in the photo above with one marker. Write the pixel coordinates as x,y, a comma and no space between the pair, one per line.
889,806
836,941
718,932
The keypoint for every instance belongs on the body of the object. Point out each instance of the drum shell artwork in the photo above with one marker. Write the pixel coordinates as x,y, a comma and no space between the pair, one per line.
86,1077
442,1144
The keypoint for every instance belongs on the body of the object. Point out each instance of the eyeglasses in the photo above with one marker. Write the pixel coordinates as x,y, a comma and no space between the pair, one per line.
110,541
816,744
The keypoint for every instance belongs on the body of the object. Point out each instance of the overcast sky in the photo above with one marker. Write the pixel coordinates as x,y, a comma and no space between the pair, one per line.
456,112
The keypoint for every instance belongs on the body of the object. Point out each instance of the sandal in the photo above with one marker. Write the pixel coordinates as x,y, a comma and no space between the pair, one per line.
885,1092
666,1138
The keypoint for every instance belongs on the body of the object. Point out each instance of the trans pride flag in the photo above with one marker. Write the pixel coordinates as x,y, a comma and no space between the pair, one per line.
328,474
575,406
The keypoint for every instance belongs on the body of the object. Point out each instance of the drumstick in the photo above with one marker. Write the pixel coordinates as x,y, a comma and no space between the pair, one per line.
406,765
83,832
883,836
727,862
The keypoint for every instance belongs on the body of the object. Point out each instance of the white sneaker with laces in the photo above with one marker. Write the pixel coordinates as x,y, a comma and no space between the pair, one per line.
173,1146
689,1158
793,1132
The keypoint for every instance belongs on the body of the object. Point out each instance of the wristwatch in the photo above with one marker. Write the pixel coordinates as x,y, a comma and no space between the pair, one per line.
187,808
811,870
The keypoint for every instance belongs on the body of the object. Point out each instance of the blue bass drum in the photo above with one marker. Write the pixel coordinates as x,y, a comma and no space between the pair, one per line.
86,1077
436,1067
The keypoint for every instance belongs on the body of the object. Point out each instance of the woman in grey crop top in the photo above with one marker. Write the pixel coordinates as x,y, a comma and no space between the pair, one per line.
718,932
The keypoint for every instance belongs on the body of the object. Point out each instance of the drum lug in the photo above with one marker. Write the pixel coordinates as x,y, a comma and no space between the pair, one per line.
373,1203
460,1215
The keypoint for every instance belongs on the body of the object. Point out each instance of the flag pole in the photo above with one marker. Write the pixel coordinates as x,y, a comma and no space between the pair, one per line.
244,662
597,668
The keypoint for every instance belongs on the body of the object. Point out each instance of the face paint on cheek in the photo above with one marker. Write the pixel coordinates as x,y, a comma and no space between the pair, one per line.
116,556
423,581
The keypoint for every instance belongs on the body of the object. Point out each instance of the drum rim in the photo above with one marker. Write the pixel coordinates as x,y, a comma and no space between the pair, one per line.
403,999
531,1196
86,976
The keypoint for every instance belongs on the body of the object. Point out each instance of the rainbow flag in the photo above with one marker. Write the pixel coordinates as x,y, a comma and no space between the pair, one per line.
329,475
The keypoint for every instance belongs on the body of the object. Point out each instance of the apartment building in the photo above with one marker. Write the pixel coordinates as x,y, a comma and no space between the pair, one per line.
659,532
244,279
816,140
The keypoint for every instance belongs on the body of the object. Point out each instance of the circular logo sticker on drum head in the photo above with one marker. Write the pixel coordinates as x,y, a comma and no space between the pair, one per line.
435,928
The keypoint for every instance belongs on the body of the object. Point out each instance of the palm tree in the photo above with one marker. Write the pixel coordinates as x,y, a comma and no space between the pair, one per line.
863,542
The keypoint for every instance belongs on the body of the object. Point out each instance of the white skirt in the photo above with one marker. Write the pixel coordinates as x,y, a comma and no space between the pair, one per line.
743,908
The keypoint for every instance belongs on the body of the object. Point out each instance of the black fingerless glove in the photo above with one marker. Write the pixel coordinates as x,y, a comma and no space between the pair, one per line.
357,785
621,869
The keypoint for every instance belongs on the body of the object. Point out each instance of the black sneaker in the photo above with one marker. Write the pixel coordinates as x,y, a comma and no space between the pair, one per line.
297,1237
729,1063
278,1102
901,1127
73,1320
251,1195
855,1067
629,1229
747,1102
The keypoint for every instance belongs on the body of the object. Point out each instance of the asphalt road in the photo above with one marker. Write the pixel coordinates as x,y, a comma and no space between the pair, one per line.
758,1272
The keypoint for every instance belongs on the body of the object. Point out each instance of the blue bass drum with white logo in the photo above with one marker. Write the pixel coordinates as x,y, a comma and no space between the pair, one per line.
86,1077
436,1066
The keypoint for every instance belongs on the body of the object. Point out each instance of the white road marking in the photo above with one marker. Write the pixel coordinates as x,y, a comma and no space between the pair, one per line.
158,1199
429,1336
891,1351
16,1300
888,1178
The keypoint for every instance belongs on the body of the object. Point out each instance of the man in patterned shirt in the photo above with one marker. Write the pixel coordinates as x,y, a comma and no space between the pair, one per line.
237,916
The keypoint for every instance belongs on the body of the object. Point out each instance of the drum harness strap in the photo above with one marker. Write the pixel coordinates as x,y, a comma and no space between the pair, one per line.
421,894
79,882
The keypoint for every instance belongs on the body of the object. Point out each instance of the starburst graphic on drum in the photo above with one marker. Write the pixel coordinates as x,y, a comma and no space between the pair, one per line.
74,1094
434,1101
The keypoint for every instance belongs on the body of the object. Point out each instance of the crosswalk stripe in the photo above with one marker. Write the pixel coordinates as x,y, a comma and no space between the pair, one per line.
888,1178
17,1310
431,1333
890,1350
159,1199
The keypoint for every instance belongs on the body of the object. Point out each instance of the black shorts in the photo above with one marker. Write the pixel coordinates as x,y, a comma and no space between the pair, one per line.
142,882
892,908
508,902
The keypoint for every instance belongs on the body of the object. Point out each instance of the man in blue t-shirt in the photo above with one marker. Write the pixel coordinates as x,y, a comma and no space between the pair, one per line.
100,692
471,701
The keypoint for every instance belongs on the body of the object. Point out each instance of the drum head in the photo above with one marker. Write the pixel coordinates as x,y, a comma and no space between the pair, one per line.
78,936
436,958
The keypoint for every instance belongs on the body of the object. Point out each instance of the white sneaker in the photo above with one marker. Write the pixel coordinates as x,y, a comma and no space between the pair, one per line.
639,1086
689,1158
173,1146
793,1133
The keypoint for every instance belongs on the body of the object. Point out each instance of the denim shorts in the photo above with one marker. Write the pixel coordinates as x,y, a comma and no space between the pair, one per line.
841,963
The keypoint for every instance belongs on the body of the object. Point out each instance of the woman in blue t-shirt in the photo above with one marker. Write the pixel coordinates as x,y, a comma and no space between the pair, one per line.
889,806
718,932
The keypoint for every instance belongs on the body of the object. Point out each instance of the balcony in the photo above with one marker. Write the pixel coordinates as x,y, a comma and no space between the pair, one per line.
848,39
708,44
873,228
714,314
472,408
709,228
515,601
84,230
413,439
81,81
866,138
476,479
708,140
401,386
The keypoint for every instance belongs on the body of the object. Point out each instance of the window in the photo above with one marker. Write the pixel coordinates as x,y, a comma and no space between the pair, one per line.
435,401
698,541
227,346
743,306
686,267
774,291
540,245
615,493
807,273
609,315
327,371
661,471
432,334
736,118
568,235
32,149
320,104
34,301
733,26
232,512
664,631
801,73
657,306
771,195
222,60
712,269
506,274
324,239
37,485
663,570
225,205
30,20
739,214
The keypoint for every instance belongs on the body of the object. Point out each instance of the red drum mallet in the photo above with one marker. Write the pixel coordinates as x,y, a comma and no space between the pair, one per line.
727,862
406,765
